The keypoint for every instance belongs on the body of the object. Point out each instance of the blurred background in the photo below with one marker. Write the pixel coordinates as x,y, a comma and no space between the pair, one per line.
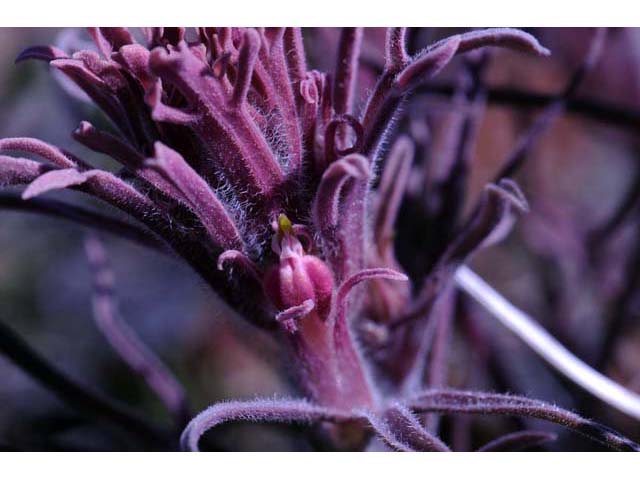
573,262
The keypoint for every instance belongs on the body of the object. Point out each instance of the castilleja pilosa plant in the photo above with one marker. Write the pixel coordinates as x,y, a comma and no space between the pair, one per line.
260,174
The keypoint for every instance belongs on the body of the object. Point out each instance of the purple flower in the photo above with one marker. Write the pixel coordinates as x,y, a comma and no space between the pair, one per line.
260,174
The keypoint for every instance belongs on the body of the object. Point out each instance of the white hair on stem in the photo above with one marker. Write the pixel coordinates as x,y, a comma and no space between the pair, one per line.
536,337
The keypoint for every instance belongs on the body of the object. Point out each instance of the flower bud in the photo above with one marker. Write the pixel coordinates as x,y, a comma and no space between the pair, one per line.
298,277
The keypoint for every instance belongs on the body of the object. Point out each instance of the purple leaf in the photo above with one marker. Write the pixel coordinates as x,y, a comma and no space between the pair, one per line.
338,213
41,52
396,56
18,171
197,195
458,401
236,144
364,275
428,63
136,59
344,82
109,39
407,427
129,157
98,90
56,180
296,57
390,192
382,430
491,222
274,79
335,138
246,61
511,38
394,86
278,411
48,152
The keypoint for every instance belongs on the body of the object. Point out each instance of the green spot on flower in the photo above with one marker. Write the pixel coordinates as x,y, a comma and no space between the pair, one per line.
284,224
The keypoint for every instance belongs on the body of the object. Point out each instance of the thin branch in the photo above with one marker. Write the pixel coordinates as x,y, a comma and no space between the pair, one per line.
518,441
83,217
77,396
621,309
599,234
547,346
596,110
544,121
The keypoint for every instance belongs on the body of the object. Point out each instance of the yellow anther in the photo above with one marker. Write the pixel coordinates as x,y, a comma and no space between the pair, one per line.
284,224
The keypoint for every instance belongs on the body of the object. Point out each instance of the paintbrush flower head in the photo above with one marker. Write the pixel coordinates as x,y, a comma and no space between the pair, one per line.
262,175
